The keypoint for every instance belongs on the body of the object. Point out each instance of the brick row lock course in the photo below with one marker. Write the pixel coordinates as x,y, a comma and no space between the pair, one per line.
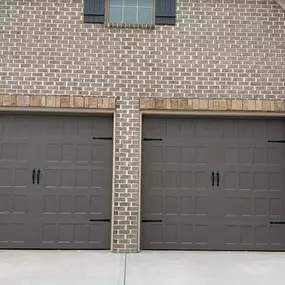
145,103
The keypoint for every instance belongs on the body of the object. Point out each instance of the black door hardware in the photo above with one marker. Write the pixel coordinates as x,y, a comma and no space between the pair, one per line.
33,175
152,221
103,138
277,223
38,176
280,141
218,178
100,220
152,139
213,178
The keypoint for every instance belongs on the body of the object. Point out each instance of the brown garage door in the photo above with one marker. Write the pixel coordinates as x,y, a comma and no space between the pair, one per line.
55,181
213,184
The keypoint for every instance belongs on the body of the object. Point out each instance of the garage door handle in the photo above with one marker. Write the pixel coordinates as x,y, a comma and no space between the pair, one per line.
38,176
213,178
33,175
218,178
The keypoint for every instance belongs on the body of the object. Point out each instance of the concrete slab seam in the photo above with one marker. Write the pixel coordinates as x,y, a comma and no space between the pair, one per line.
122,270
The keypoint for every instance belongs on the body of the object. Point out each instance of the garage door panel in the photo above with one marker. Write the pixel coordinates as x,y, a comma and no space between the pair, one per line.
83,153
171,233
275,180
6,202
237,214
176,176
274,156
57,200
154,152
98,233
186,204
74,235
237,205
262,235
202,234
187,179
154,179
186,235
81,233
171,206
277,236
4,234
276,207
99,205
16,234
260,181
16,153
258,206
74,186
82,204
180,179
152,204
152,235
81,179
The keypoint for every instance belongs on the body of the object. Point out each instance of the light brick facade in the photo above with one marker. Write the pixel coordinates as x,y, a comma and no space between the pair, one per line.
221,55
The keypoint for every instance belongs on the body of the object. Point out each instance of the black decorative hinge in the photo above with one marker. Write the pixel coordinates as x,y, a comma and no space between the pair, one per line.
277,223
280,141
152,139
100,220
103,138
152,221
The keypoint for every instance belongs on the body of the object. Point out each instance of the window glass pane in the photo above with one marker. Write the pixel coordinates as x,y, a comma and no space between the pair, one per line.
116,15
144,16
131,3
116,2
145,3
131,11
130,15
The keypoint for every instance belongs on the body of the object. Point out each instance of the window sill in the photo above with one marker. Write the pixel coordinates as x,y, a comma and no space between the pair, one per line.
130,26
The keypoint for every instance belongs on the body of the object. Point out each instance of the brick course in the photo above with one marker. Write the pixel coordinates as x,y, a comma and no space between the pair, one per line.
74,102
219,49
230,105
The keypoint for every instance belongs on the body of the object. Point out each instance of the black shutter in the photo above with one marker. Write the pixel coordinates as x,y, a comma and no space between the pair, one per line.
165,11
94,11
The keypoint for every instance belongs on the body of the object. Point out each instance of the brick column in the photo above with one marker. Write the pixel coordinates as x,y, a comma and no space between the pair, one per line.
127,162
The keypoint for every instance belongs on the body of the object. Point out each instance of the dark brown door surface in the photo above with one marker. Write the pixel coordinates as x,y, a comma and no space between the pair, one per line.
17,156
251,190
73,180
181,209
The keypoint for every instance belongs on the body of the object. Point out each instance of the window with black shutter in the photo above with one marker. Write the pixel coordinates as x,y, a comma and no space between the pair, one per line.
130,11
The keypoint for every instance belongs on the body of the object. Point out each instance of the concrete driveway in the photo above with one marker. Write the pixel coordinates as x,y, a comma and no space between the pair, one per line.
146,268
